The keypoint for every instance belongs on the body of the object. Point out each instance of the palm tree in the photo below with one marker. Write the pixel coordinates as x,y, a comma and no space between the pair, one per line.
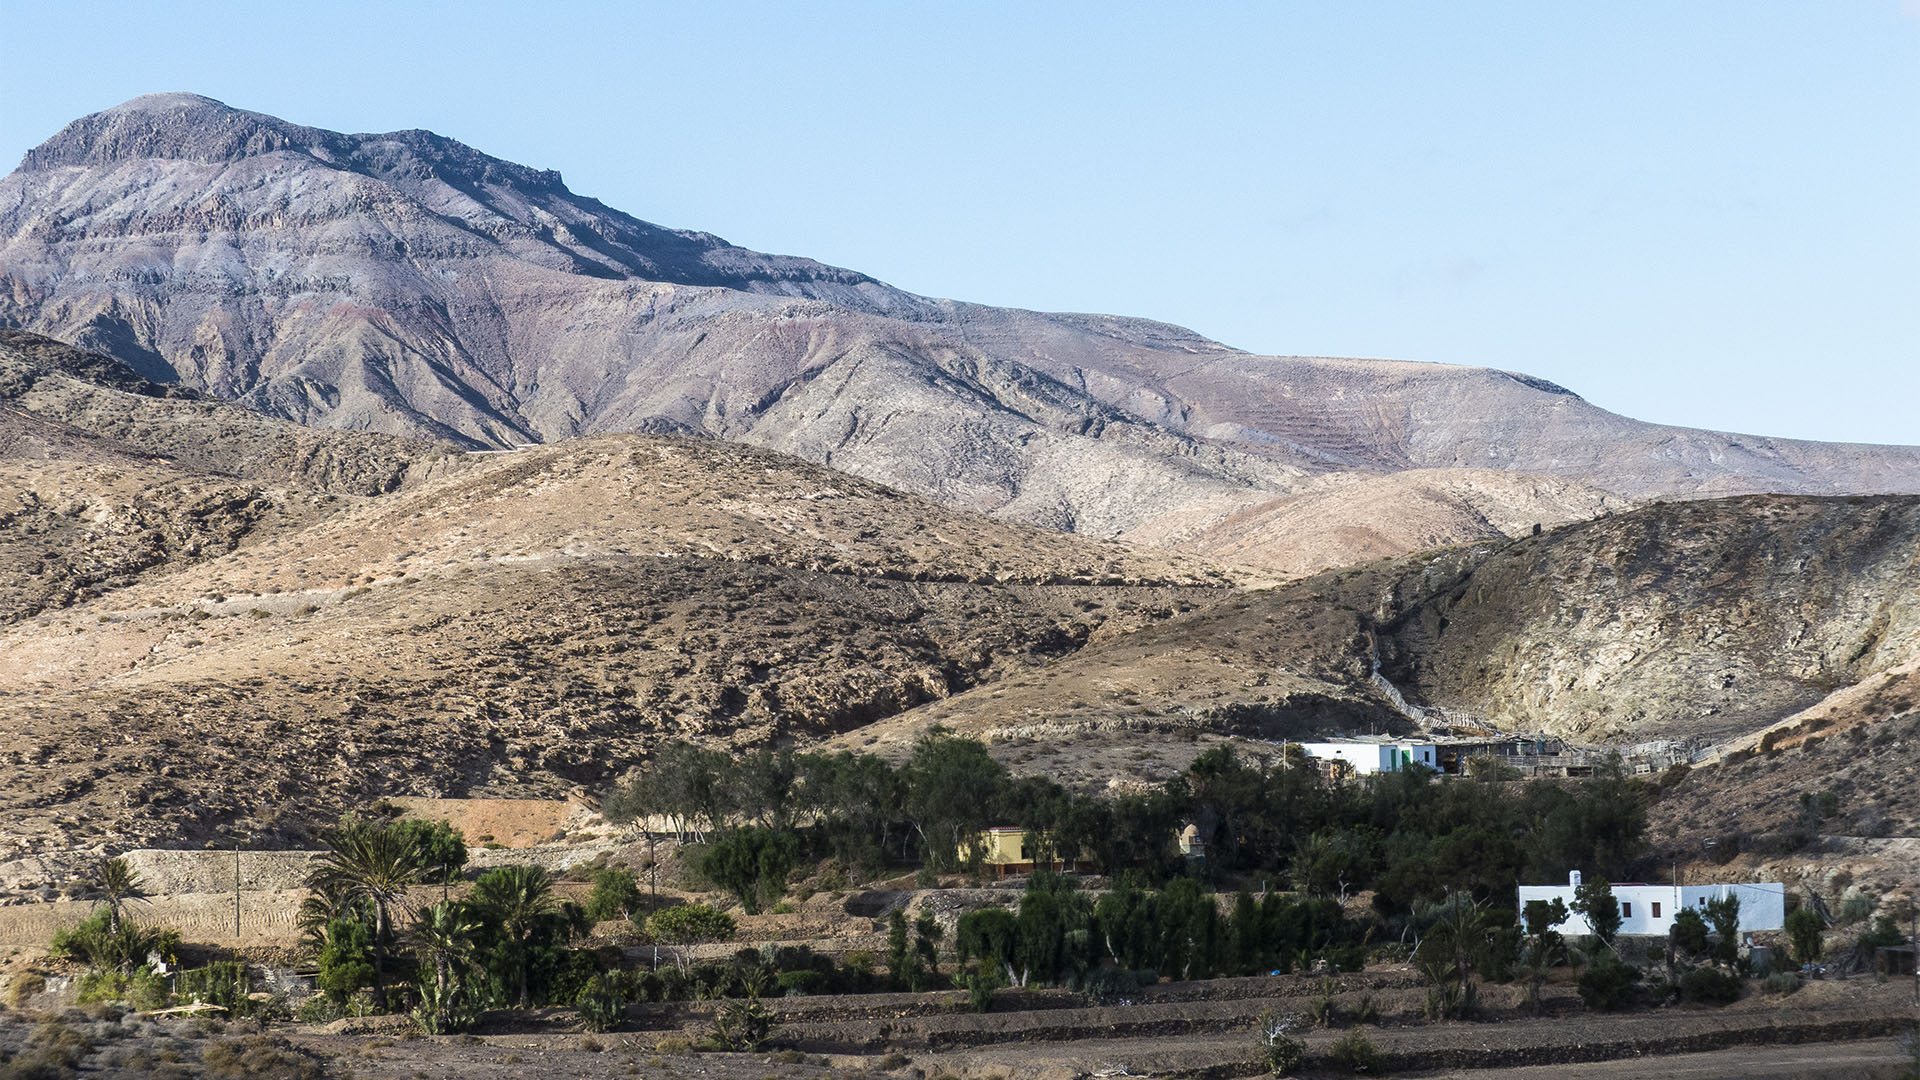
370,862
443,940
516,899
321,907
118,884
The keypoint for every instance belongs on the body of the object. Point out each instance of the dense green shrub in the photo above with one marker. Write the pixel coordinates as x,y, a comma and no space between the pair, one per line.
142,988
346,960
1804,927
751,863
1884,933
1724,916
1608,983
980,982
96,943
1354,1053
1107,985
441,848
1689,932
615,895
1709,986
803,981
602,1001
690,924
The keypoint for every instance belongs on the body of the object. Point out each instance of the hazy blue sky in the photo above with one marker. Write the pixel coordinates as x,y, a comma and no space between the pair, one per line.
1695,212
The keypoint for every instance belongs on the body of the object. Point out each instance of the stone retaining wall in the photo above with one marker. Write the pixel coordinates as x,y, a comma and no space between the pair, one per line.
212,871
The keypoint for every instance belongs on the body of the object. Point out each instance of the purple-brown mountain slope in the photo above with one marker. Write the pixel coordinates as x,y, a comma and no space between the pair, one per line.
409,284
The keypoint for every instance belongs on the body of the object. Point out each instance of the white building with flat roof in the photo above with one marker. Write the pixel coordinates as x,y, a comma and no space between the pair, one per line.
1375,756
1649,909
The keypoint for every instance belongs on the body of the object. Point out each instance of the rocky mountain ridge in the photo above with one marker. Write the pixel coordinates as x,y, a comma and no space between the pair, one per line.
408,284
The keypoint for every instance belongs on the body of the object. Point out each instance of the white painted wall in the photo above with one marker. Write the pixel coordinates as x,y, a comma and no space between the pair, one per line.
1763,905
1367,758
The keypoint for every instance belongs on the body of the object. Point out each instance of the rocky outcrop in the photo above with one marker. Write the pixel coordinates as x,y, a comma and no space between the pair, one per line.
1681,620
1704,621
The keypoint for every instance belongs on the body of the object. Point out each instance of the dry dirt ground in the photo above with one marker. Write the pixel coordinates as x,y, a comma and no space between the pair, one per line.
1866,1059
1197,1031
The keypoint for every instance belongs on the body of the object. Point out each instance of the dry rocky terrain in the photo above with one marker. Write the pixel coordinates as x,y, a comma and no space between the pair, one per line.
1198,1030
400,619
506,622
1703,620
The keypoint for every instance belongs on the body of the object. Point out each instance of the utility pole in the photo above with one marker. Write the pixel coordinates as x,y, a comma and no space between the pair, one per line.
653,888
236,886
1674,914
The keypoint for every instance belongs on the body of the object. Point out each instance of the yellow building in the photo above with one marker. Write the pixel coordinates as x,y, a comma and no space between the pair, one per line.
1003,850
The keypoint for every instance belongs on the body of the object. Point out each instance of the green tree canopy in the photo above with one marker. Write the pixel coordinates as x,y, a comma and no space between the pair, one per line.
952,787
615,895
752,863
1594,899
690,924
375,863
519,904
1804,927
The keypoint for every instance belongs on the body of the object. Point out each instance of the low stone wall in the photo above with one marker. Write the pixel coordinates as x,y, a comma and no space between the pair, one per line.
212,871
173,871
162,871
554,859
266,918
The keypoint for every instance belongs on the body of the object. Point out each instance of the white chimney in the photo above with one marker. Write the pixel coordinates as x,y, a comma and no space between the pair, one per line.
1573,878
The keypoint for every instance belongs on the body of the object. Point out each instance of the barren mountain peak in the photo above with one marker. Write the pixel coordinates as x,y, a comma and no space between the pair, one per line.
409,284
183,126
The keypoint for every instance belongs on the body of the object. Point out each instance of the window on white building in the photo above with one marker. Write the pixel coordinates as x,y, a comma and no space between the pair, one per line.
1626,910
1656,909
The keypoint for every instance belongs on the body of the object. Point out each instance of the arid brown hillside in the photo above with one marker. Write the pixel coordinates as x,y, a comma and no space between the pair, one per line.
105,475
530,620
59,402
1704,621
517,623
1348,518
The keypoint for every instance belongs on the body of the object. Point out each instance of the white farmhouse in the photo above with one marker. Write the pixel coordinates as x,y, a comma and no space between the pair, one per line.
1375,756
1649,909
